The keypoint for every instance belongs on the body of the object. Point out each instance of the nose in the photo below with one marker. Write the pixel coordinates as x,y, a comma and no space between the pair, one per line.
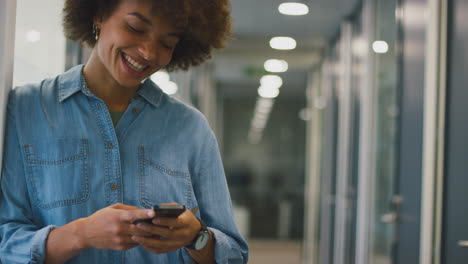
148,50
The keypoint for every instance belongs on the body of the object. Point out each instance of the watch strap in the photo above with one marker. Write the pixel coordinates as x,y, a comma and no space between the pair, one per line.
203,230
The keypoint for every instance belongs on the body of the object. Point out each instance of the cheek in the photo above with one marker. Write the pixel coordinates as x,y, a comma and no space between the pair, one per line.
166,57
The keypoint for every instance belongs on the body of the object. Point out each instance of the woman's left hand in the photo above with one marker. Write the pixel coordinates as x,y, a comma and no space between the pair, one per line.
169,234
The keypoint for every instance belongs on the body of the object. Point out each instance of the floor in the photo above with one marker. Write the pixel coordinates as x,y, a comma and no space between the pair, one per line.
272,252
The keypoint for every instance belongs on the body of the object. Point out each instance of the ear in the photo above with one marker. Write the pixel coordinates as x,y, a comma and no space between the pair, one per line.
97,21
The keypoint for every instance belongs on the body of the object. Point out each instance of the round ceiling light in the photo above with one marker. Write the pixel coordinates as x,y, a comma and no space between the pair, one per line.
293,9
275,65
268,92
380,46
271,81
283,43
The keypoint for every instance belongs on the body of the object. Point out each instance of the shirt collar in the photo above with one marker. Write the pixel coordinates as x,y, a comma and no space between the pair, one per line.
73,81
151,93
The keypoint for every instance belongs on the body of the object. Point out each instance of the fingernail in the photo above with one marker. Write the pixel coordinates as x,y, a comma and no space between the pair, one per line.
150,213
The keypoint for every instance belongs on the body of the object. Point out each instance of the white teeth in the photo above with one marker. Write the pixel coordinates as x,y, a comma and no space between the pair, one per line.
133,64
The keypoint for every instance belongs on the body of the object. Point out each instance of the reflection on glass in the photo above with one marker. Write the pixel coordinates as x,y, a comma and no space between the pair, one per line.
386,122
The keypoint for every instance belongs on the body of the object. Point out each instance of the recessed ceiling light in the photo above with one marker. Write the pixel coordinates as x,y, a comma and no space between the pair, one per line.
293,9
33,36
283,43
271,81
380,46
268,92
276,65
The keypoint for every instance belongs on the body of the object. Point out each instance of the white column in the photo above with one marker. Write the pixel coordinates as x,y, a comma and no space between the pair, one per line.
367,141
7,44
343,148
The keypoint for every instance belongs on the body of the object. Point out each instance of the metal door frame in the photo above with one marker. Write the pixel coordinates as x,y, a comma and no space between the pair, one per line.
434,133
367,136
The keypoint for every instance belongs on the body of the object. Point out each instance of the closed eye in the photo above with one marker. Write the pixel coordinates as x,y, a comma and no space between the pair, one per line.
167,46
134,29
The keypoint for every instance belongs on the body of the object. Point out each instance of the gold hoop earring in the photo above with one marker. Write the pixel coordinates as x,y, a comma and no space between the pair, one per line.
96,32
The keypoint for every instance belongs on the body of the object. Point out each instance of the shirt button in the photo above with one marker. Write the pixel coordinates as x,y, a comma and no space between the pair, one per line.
114,187
135,110
111,145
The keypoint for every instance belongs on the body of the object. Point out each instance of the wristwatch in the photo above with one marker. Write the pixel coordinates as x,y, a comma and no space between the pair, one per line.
201,239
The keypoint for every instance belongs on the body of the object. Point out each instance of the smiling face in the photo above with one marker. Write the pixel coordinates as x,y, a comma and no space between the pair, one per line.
134,43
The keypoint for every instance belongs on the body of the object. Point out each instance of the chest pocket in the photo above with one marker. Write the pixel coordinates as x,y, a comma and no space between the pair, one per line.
57,172
161,183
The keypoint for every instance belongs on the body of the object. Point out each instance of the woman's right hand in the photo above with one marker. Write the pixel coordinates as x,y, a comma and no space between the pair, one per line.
112,227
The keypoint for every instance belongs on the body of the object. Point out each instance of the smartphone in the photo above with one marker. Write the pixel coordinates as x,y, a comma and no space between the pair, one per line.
172,210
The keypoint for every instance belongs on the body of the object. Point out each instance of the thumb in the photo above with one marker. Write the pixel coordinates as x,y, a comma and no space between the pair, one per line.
121,206
134,215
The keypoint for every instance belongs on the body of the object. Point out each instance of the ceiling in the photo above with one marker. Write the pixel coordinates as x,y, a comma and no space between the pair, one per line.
256,22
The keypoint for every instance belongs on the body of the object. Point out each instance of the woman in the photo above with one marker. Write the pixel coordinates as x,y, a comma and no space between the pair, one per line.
73,185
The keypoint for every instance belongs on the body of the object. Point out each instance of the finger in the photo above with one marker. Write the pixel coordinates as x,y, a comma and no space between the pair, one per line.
169,221
134,230
125,244
160,250
134,215
152,243
170,203
124,206
157,230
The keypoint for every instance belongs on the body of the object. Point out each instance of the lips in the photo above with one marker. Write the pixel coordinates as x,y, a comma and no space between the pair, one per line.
133,63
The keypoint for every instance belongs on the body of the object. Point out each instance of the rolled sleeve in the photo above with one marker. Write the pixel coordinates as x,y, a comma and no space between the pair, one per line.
38,244
213,197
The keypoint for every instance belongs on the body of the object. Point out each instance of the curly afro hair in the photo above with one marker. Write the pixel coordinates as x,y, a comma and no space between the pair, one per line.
206,25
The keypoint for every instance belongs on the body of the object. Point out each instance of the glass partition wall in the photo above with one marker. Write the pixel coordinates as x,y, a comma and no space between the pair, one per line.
384,215
358,106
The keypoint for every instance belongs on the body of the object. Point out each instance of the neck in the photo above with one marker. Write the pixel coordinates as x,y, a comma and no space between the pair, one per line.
100,81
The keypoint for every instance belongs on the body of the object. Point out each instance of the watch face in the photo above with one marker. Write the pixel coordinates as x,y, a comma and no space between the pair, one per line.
202,240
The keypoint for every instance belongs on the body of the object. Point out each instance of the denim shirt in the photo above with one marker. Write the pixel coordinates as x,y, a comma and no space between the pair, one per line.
64,160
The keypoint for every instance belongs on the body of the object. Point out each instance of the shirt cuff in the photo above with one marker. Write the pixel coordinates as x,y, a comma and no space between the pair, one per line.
221,248
38,246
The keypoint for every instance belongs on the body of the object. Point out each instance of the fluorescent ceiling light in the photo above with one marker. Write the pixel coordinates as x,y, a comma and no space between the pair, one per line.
268,92
293,9
380,46
283,43
273,81
276,65
33,36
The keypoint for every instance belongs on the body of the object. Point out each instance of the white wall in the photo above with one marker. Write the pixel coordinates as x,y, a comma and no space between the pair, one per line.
44,58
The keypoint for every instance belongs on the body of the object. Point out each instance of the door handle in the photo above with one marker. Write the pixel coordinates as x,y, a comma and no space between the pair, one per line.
463,243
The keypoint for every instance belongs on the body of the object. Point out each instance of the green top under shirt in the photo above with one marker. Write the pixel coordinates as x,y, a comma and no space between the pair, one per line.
116,115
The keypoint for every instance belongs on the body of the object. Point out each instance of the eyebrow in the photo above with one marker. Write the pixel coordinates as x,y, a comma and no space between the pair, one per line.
141,17
147,21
